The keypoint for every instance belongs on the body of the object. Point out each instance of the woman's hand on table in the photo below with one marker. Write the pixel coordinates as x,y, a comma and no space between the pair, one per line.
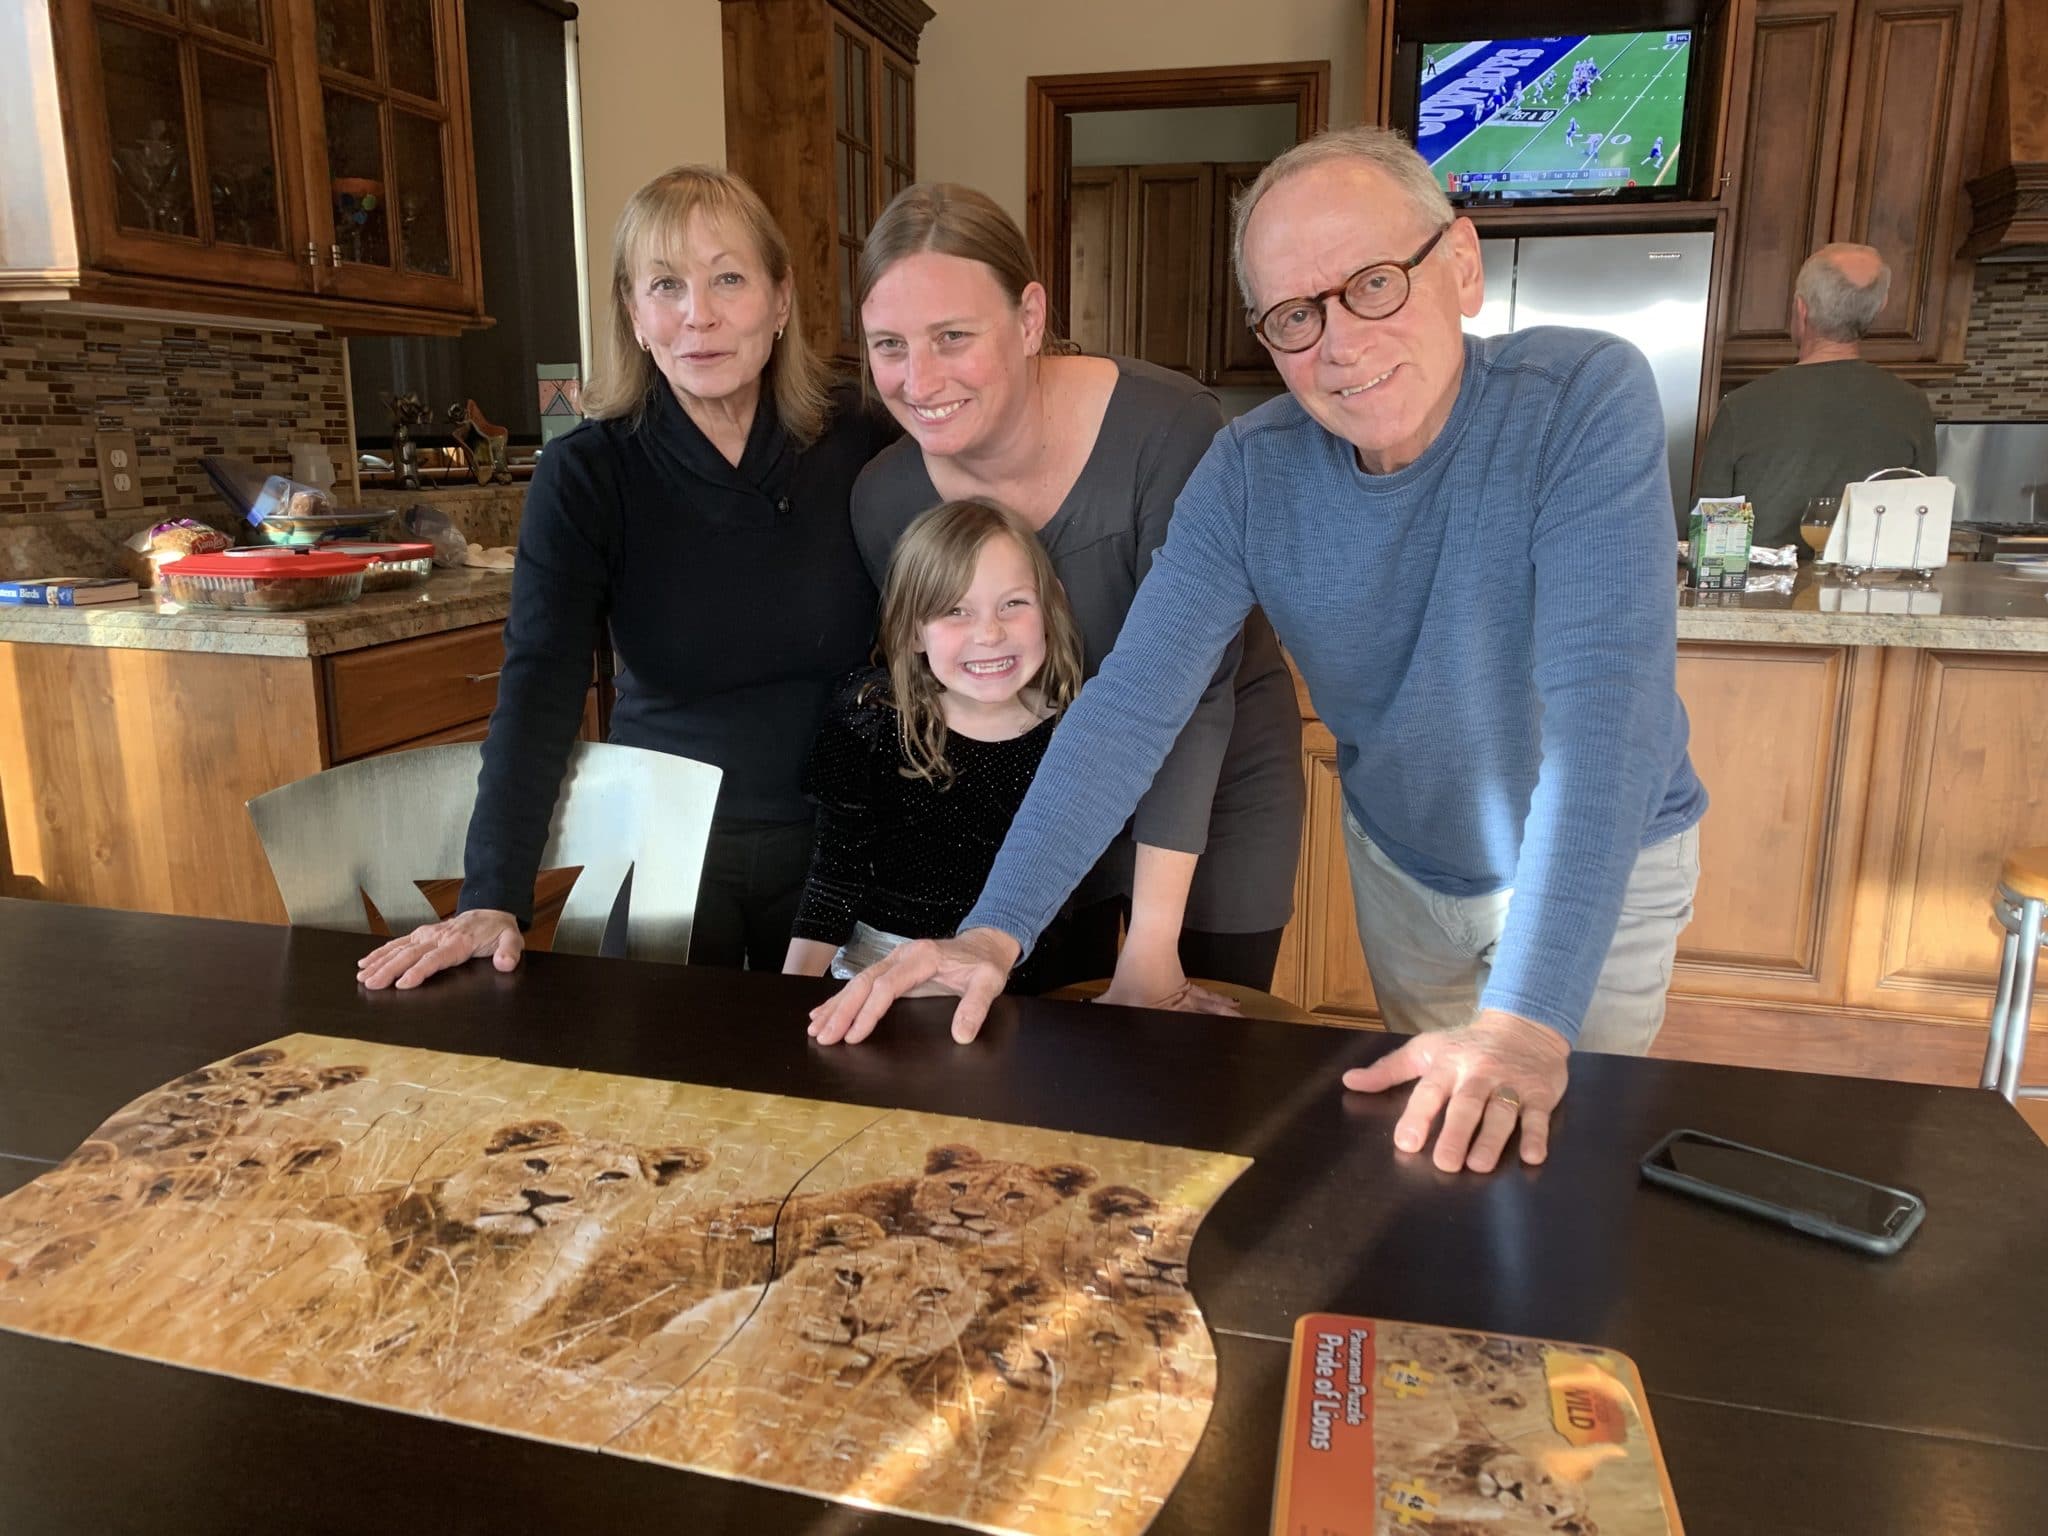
435,947
973,966
1498,1070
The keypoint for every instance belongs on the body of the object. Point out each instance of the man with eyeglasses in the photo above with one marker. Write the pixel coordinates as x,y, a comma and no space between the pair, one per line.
1465,545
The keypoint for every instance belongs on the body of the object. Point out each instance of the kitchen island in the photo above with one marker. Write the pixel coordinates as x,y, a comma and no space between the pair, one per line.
136,732
1872,751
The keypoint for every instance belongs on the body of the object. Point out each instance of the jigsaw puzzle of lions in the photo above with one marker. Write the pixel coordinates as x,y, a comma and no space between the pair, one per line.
980,1323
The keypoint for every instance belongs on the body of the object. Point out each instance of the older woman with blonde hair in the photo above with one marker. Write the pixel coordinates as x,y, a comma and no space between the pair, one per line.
697,524
1091,452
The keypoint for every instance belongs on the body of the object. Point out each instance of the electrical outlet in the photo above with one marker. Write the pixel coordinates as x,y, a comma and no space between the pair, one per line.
120,472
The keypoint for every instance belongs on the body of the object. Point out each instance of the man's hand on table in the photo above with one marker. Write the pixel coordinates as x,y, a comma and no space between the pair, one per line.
974,966
1498,1069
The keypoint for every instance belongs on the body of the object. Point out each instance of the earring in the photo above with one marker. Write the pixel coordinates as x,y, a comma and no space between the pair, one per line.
778,333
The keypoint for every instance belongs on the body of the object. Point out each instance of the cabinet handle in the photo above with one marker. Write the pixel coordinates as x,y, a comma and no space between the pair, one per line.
334,254
312,254
479,677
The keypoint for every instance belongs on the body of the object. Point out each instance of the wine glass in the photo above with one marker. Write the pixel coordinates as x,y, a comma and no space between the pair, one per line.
1816,523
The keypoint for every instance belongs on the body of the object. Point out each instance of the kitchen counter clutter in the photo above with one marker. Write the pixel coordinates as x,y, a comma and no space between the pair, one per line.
1977,605
449,600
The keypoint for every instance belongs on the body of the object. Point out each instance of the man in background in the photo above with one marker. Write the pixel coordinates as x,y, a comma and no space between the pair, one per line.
1830,418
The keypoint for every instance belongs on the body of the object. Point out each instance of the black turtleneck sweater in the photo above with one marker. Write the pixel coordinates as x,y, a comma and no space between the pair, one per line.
734,596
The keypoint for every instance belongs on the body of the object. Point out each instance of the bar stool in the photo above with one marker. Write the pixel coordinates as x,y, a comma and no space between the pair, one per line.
2021,906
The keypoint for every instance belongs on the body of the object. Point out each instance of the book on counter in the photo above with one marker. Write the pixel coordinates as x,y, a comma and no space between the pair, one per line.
68,591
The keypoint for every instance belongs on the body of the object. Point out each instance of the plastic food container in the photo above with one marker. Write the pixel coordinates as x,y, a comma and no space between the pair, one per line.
349,523
265,581
392,566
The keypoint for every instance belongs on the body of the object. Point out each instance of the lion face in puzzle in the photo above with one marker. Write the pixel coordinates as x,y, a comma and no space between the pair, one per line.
966,1198
1143,1244
539,1174
904,1298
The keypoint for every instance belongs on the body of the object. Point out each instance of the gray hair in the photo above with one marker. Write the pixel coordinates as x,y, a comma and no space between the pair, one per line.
1382,147
1836,307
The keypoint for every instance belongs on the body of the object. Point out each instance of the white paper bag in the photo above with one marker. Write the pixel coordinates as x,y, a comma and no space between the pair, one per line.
1893,525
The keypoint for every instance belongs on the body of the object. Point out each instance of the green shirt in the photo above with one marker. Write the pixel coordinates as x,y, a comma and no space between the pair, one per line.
1808,430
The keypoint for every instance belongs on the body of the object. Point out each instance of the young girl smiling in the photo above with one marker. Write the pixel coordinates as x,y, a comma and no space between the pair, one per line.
920,765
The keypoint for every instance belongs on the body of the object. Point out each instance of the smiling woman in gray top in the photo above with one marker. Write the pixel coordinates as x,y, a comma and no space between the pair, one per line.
1091,451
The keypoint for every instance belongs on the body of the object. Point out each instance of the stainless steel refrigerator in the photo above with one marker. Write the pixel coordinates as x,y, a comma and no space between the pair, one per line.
1649,289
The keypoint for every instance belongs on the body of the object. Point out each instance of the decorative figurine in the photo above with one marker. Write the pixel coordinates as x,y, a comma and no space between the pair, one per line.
487,444
409,413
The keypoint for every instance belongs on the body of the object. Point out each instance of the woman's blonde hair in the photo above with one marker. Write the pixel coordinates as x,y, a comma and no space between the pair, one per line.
931,570
653,223
952,220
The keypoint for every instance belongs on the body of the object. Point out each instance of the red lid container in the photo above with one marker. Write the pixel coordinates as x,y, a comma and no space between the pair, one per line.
265,581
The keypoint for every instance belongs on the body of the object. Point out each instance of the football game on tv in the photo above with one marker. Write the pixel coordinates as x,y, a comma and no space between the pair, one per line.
1541,117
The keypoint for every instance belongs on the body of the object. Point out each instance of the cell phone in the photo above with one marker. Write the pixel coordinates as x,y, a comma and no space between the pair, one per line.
1821,1202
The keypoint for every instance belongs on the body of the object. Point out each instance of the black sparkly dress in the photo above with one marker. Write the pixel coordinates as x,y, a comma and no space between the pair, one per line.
901,854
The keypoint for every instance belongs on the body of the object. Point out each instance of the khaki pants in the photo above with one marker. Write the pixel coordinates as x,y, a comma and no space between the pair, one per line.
1430,954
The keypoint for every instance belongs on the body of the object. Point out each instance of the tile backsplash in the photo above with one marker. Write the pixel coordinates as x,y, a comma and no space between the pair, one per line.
184,390
2005,372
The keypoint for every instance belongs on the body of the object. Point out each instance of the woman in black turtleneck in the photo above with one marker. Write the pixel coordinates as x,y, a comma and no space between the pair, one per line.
700,516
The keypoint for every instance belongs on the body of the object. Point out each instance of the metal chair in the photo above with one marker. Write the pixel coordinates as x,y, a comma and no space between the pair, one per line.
374,826
2021,907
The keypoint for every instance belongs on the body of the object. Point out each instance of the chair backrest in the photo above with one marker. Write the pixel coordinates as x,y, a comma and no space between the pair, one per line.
376,825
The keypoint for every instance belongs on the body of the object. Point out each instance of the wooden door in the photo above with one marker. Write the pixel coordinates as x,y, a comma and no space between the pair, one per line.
385,118
1910,109
183,140
1235,355
1098,253
1785,189
1169,259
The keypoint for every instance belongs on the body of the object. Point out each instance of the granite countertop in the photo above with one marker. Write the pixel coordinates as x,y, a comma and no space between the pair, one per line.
449,600
1969,605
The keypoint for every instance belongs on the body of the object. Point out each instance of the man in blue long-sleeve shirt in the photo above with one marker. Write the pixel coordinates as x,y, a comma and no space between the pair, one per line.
1466,547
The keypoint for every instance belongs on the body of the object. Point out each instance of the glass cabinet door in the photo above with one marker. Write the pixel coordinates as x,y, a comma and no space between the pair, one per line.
388,145
184,163
899,128
853,170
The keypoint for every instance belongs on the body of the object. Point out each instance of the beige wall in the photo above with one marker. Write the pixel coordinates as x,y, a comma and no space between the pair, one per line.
976,55
652,74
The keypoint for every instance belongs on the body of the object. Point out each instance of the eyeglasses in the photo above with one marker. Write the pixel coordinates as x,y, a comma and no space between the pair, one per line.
1371,293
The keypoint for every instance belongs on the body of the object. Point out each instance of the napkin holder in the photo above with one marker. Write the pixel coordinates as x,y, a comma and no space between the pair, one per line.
1892,524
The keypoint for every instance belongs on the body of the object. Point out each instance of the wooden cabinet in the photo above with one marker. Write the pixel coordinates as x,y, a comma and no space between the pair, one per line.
308,159
1860,120
1957,784
821,119
1149,272
126,784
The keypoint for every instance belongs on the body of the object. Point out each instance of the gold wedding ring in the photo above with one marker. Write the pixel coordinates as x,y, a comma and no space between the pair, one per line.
1506,1095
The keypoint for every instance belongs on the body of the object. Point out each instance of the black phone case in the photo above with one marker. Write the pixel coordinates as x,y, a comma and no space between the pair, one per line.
1799,1221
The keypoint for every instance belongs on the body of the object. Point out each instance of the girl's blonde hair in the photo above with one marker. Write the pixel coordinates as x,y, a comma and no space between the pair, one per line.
931,570
653,223
952,220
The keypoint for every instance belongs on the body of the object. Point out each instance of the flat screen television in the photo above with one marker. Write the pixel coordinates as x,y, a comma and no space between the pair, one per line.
1573,117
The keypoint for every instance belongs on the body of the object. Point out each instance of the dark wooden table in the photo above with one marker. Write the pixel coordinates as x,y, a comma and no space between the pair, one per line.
1798,1387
